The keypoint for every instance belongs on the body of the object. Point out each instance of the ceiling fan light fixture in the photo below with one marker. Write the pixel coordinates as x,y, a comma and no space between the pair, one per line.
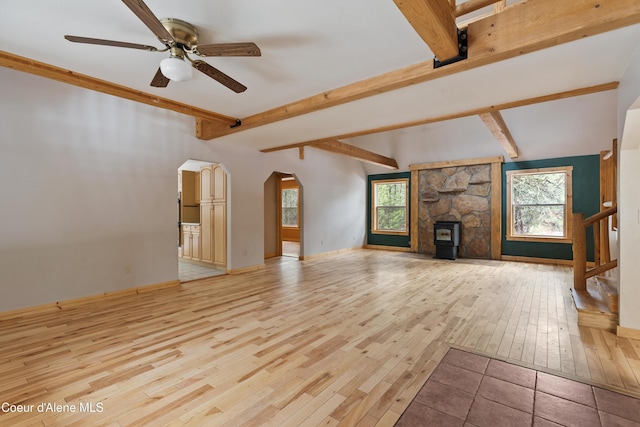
176,69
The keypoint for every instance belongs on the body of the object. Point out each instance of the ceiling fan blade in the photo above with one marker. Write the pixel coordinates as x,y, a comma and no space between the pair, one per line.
102,42
228,49
219,76
143,12
159,80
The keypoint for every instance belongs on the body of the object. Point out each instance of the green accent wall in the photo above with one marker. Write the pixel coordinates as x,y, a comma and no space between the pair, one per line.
387,239
586,199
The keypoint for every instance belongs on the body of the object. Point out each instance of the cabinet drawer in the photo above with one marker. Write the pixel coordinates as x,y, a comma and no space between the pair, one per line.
195,229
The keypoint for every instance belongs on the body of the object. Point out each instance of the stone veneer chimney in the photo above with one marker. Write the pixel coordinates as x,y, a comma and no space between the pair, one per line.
462,194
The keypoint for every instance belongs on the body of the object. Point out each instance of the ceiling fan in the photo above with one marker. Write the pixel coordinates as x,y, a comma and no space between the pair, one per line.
179,38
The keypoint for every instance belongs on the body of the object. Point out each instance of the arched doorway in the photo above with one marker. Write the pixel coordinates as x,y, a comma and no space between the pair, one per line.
283,216
202,222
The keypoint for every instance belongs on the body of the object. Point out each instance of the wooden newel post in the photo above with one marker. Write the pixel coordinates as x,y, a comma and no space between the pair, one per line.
579,252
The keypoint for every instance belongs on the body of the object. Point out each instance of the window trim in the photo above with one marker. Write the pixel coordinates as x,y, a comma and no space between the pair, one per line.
374,216
284,187
567,238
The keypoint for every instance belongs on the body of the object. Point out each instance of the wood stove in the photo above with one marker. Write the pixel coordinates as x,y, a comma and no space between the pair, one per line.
446,236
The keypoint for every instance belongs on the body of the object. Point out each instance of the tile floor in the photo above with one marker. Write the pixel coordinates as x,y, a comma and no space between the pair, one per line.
469,390
188,271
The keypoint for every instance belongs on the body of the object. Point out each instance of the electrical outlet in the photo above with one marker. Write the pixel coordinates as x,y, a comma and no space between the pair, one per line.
127,269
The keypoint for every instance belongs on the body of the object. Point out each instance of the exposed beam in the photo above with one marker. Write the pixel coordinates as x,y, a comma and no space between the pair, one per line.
494,121
499,6
494,38
474,112
339,147
471,6
41,69
434,22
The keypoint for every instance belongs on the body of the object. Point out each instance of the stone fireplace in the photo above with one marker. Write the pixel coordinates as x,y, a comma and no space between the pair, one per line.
458,193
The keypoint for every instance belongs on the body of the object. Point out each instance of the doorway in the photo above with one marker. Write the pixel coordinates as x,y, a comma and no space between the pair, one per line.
202,201
283,216
289,194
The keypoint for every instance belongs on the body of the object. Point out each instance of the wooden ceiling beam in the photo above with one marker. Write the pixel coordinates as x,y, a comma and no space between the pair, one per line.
434,22
41,69
468,113
339,147
499,6
471,6
491,39
496,124
357,153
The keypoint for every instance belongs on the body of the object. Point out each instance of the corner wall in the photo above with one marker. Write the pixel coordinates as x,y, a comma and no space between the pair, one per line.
628,194
89,193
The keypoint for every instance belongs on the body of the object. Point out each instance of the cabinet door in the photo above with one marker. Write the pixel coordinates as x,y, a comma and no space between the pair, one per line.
195,245
206,232
186,241
219,234
219,184
206,177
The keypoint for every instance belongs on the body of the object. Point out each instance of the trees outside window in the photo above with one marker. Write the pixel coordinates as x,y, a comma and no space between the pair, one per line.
390,212
539,204
290,207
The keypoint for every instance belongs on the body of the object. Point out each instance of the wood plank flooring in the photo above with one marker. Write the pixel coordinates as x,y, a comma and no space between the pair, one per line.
346,340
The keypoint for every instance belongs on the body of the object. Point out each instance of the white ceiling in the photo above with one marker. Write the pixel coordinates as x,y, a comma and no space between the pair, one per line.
312,46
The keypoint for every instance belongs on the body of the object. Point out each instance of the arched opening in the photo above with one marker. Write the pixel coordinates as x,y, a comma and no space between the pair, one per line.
283,217
202,220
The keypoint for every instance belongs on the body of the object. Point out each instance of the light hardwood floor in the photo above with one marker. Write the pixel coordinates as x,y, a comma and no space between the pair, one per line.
339,341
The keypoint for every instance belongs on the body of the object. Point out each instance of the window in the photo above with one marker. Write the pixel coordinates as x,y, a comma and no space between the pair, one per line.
539,204
290,207
390,213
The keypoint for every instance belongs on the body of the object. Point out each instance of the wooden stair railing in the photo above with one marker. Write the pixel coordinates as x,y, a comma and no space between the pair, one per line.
600,224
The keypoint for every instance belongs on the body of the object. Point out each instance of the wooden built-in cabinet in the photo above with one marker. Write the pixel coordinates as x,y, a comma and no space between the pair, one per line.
206,215
209,243
191,241
213,207
220,233
213,184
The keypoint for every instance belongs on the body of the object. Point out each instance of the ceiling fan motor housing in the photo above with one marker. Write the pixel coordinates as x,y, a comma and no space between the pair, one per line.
183,33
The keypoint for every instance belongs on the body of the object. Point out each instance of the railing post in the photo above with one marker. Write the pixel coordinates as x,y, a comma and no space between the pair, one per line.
579,252
605,252
596,243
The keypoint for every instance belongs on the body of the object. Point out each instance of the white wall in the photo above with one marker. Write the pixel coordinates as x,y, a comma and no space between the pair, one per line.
541,131
629,196
89,190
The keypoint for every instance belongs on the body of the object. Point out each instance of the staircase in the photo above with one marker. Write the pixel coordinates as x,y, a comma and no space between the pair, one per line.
595,294
597,304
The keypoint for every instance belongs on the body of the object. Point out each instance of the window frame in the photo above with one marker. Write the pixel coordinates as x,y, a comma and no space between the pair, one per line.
374,214
567,237
285,185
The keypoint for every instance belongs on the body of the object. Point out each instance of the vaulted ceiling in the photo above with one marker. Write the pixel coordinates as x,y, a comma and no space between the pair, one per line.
360,72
